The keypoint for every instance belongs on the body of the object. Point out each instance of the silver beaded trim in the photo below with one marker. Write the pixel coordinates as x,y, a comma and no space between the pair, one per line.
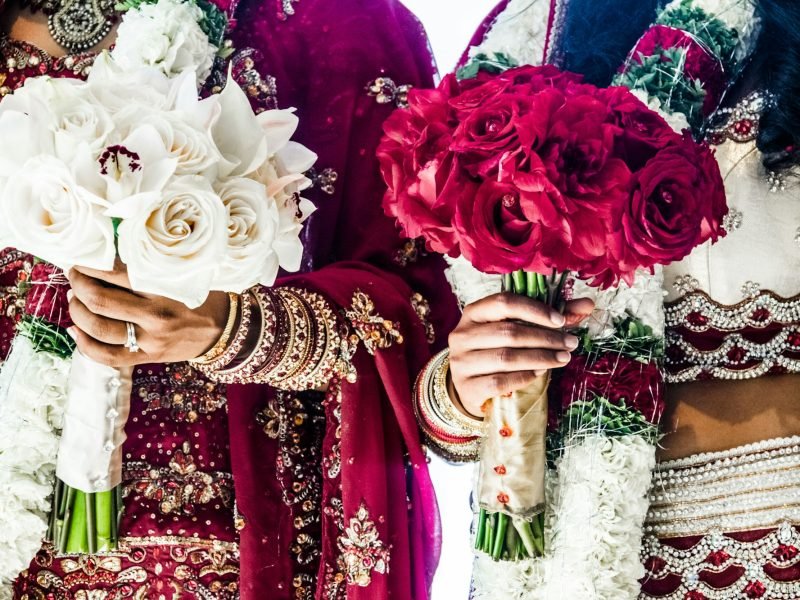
732,318
698,313
751,556
768,355
749,488
755,487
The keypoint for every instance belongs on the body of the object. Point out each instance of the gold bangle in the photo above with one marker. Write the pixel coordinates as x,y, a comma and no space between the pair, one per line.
455,439
264,346
218,349
212,368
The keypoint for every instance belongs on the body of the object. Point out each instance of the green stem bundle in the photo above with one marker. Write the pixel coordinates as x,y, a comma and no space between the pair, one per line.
82,522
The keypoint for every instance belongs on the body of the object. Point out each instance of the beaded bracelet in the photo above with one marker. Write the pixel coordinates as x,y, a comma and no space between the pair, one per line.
453,433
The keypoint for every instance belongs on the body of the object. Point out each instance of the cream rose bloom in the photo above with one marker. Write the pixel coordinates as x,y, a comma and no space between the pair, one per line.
51,208
253,225
174,241
165,35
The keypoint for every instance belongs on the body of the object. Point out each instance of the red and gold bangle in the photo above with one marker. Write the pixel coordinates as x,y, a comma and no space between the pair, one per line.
265,346
299,344
219,348
453,433
229,355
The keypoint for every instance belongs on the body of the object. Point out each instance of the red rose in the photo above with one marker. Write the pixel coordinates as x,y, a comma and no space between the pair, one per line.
698,63
644,131
537,78
677,203
509,226
579,156
418,167
489,133
47,296
621,380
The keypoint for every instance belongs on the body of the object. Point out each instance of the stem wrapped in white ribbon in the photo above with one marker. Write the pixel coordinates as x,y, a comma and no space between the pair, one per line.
98,404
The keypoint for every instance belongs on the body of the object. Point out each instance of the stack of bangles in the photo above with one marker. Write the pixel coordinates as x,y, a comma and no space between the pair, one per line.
297,344
452,433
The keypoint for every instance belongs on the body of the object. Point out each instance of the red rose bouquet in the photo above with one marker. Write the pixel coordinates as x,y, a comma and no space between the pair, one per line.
534,175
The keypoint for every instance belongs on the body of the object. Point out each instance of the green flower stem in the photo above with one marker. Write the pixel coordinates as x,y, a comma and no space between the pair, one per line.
537,527
531,282
519,282
500,536
528,539
76,538
63,534
91,523
481,530
106,518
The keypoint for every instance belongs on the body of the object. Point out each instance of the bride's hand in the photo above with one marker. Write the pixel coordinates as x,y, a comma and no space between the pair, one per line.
505,341
166,331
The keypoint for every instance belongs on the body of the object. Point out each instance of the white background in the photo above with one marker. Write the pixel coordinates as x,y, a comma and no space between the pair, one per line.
450,25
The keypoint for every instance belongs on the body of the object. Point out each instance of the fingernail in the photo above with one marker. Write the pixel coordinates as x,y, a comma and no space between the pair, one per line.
539,373
557,318
563,357
70,295
72,334
571,341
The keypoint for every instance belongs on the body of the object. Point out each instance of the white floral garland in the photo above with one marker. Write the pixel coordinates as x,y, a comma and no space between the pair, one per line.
33,388
519,32
594,523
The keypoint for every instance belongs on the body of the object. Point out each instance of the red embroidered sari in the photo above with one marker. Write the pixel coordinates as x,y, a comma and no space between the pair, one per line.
250,491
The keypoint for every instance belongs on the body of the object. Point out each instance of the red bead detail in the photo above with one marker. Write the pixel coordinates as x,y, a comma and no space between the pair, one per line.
785,552
794,339
503,498
743,127
655,565
760,315
695,595
755,589
736,354
718,558
697,319
505,431
500,469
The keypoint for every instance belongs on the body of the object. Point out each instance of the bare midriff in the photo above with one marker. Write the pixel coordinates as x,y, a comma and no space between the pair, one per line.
710,416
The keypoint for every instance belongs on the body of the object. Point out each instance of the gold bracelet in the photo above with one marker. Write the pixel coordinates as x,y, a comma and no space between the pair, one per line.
212,368
218,349
452,434
265,344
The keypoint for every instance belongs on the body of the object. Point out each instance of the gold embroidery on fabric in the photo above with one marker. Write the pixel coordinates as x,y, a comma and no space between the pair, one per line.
375,331
423,310
188,561
181,487
386,91
362,550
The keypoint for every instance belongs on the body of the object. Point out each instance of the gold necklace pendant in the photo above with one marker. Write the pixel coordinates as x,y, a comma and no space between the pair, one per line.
79,25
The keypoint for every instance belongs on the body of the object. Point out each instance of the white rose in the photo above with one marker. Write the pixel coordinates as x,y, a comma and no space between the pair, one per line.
184,138
166,35
253,225
53,211
116,88
80,120
173,241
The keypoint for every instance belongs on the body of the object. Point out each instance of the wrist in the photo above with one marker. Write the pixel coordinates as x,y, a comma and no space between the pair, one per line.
454,433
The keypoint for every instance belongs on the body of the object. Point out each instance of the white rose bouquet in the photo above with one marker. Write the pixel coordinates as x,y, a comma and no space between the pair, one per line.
193,195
